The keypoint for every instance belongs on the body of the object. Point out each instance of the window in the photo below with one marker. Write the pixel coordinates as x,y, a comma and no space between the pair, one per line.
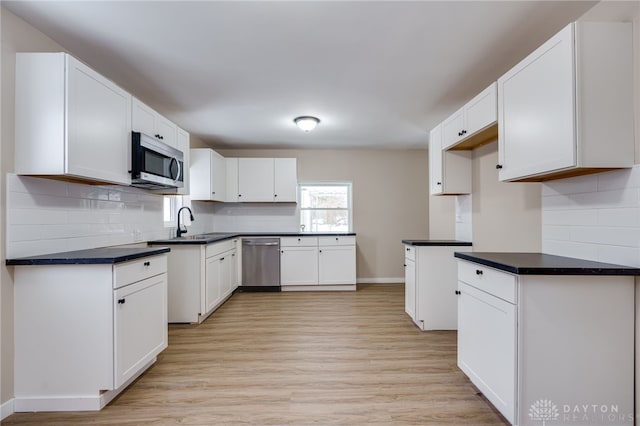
325,207
170,208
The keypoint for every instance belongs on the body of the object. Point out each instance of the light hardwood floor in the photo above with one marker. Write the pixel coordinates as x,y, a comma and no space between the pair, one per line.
298,359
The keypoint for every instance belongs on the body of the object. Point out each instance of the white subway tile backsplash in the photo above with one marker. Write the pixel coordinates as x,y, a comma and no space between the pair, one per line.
569,217
575,185
48,216
603,220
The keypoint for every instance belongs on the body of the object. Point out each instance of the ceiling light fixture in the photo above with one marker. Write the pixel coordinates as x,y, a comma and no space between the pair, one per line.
306,122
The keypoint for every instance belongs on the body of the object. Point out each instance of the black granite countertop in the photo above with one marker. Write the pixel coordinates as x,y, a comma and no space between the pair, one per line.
215,237
545,264
92,256
436,243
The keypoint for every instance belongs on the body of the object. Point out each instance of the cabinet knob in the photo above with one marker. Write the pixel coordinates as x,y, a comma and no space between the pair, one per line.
221,259
214,192
320,251
147,263
239,195
458,292
405,265
408,249
275,195
298,239
478,271
337,239
121,301
498,166
438,183
459,133
464,132
282,251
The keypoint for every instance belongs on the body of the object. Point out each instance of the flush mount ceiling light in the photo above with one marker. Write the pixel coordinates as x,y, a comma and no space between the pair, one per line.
306,122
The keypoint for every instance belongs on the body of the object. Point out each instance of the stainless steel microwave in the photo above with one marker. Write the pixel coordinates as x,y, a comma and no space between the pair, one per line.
154,164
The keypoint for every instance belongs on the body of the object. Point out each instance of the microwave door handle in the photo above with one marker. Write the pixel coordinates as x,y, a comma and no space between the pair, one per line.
179,168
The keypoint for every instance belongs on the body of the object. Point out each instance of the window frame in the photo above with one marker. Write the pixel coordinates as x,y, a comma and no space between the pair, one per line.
349,207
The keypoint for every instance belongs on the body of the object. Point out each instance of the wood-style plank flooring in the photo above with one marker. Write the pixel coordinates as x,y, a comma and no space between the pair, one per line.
317,358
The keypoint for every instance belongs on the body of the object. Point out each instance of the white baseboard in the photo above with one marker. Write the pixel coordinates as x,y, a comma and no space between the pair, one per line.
333,287
71,402
381,280
6,409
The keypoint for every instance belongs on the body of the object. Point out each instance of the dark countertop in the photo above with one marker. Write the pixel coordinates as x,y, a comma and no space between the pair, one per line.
215,237
436,243
92,256
545,264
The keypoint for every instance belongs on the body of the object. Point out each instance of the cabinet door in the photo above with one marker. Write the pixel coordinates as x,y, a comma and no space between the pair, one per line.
537,112
410,288
482,110
218,177
142,118
298,266
233,270
435,160
140,325
337,265
98,126
487,346
452,129
232,180
285,180
212,294
225,274
255,179
166,130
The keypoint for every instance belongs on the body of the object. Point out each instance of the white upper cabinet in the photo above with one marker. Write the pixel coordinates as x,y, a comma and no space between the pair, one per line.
267,179
255,179
449,171
70,121
232,180
567,108
208,175
285,180
473,124
147,120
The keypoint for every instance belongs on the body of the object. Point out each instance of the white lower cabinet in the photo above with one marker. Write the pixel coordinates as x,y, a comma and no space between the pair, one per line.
318,261
558,343
430,284
201,278
97,328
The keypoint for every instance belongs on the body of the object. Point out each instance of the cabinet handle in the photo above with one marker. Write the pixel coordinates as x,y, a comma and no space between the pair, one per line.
408,249
498,166
438,183
221,259
214,192
121,301
405,265
458,292
157,136
478,271
459,133
464,132
147,263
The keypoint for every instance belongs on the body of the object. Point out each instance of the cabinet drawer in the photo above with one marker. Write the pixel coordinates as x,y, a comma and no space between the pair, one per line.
298,241
498,283
337,241
410,252
137,270
221,247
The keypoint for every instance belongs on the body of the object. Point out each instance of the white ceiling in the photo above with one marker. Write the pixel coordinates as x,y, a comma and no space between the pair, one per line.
377,74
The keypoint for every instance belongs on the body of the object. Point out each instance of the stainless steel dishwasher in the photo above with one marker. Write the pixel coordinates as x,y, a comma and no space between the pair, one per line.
261,264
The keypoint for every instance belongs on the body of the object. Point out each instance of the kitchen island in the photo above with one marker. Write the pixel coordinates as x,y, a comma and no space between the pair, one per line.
544,336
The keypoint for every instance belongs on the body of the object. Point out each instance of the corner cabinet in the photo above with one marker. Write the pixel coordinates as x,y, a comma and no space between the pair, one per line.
474,124
71,122
449,171
97,328
566,339
567,108
208,172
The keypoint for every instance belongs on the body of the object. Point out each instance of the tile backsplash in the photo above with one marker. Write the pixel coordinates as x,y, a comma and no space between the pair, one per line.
595,217
256,217
48,216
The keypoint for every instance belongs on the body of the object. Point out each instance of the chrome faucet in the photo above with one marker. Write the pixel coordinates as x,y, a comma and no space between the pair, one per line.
179,232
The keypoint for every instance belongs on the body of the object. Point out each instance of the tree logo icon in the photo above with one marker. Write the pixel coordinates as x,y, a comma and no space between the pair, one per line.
543,410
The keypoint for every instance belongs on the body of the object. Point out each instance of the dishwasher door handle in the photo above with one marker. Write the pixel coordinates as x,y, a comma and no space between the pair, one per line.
261,244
